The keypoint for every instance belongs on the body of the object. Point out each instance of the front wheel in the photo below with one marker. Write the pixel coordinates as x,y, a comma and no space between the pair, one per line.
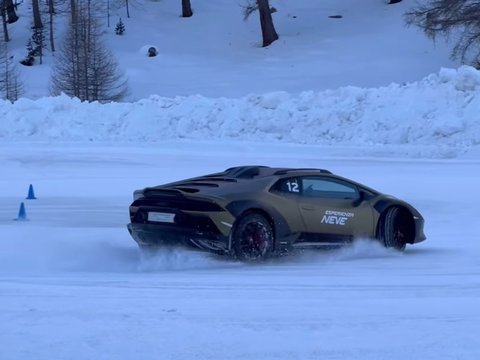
252,238
393,229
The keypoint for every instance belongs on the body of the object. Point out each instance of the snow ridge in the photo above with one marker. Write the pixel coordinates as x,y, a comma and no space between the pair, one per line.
441,110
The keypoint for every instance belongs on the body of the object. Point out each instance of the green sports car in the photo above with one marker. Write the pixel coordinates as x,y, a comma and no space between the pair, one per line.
254,212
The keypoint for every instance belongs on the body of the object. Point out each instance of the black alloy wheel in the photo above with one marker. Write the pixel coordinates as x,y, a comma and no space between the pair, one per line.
393,229
253,238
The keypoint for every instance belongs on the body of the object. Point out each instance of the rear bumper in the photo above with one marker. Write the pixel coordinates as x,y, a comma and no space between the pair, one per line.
171,235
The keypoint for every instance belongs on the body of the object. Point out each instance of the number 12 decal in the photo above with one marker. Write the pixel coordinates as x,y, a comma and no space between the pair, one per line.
293,186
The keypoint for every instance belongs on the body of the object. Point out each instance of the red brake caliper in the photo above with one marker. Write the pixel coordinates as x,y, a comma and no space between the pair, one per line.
259,239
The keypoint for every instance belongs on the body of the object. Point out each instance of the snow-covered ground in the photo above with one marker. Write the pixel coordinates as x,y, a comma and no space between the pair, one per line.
73,286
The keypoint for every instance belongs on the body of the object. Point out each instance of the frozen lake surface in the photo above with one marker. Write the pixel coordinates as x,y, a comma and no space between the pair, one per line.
72,284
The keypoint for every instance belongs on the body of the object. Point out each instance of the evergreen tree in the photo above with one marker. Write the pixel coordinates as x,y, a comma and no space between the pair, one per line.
38,40
30,58
120,27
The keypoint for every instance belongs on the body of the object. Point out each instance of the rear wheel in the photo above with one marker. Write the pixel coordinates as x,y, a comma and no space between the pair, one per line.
394,229
252,238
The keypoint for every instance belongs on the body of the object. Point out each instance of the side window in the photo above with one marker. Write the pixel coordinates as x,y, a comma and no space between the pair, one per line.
328,188
289,185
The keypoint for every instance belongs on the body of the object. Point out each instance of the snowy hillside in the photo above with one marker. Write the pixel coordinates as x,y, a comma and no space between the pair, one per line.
353,81
216,53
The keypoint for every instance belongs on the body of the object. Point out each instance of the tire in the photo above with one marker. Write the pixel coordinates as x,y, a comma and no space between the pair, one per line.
393,229
252,238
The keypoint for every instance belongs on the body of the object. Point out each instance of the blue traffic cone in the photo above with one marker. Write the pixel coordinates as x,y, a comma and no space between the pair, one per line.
31,193
22,213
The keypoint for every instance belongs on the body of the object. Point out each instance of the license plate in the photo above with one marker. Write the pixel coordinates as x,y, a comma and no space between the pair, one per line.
161,217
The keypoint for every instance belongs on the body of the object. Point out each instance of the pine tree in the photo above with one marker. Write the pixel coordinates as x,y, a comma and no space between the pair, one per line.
30,58
38,39
120,27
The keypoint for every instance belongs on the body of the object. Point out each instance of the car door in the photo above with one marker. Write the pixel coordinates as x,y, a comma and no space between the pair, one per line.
332,206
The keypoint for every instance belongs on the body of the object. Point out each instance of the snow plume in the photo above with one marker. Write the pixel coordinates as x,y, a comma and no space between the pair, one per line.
440,111
365,249
79,250
359,250
176,258
84,250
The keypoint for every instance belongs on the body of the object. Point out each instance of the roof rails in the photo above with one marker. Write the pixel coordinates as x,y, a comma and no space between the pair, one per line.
286,171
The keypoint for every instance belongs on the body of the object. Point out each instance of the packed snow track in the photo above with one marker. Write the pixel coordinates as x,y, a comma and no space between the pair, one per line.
72,283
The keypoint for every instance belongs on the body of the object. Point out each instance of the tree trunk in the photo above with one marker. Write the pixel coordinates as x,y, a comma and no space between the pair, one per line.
269,34
128,10
4,22
51,12
11,14
73,11
37,19
38,26
186,8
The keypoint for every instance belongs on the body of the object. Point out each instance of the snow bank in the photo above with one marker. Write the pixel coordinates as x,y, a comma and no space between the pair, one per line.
442,110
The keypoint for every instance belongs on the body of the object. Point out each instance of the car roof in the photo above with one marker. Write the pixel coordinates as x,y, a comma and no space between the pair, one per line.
251,174
254,171
249,178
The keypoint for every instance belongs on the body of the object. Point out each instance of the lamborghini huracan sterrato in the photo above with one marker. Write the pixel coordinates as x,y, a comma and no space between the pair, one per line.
253,212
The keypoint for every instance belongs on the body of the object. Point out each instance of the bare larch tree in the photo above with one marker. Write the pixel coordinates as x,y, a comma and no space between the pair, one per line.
84,67
3,14
8,15
460,18
10,85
